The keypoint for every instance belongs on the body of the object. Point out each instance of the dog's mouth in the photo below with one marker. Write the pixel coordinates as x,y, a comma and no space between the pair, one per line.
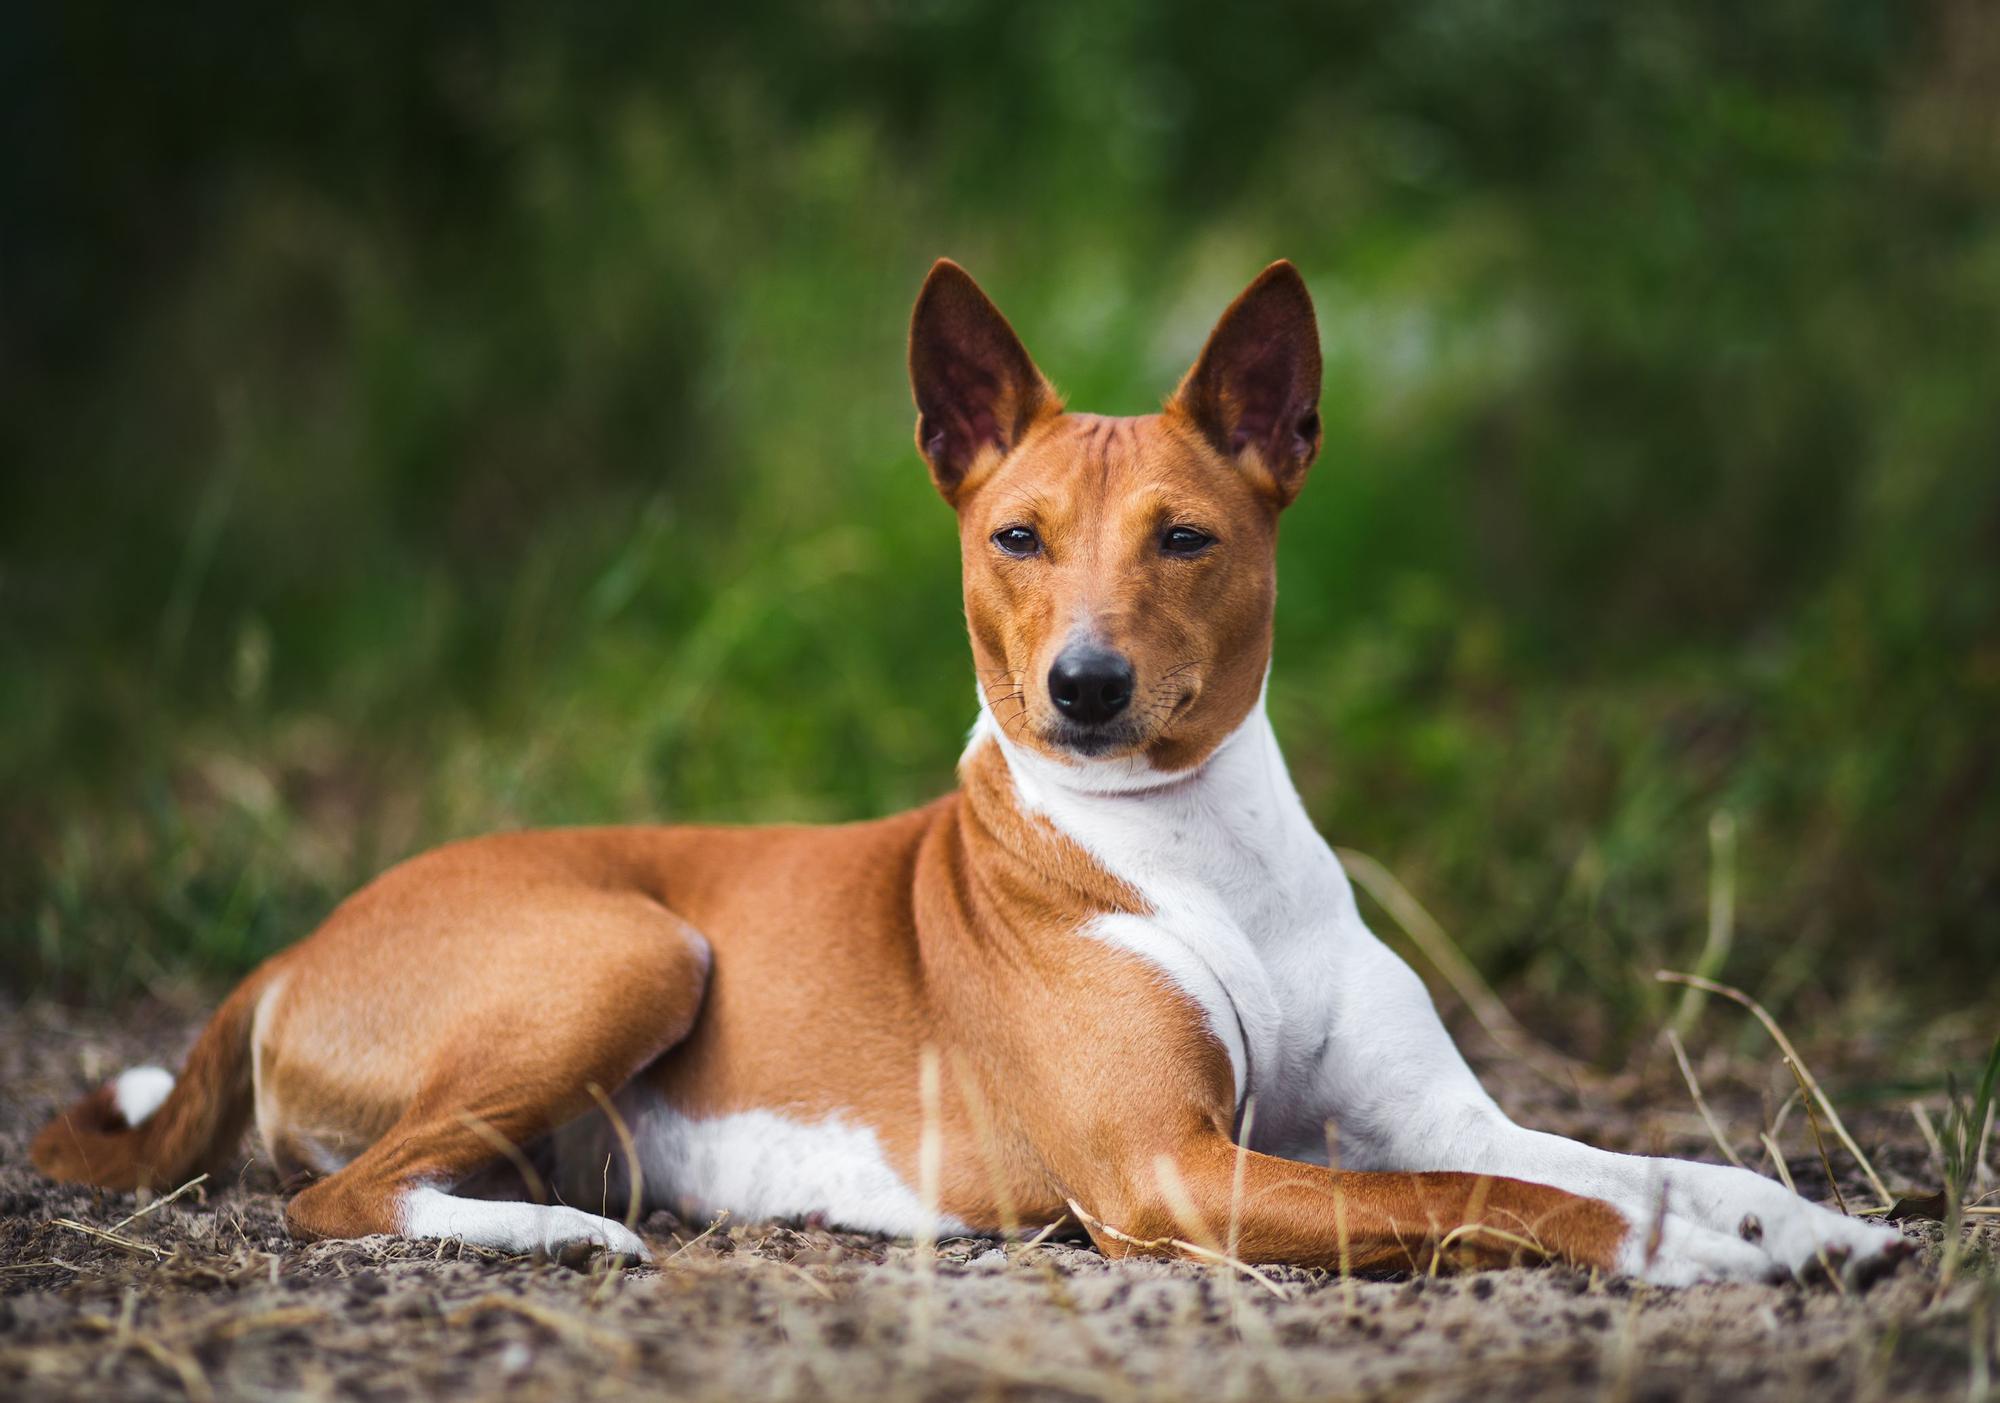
1095,742
1124,735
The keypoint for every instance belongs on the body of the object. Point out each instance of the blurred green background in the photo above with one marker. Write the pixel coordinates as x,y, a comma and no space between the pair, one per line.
424,419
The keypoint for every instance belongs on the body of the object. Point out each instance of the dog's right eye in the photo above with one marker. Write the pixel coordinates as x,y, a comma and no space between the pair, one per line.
1018,540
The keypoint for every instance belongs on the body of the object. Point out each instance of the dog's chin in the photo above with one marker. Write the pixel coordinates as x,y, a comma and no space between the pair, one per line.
1097,743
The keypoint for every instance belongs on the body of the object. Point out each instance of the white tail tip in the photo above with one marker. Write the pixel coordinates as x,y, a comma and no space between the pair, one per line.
139,1092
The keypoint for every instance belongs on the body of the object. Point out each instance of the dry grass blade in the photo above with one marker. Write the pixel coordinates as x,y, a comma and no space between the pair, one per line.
285,1318
1182,1203
119,1240
1928,1130
987,1140
930,1174
819,1288
1045,1233
1530,1248
158,1203
509,1151
1986,1137
1341,1241
1981,1168
1785,1176
635,1194
193,1382
128,1315
1237,1175
1783,1113
1193,1249
1700,1102
1457,971
1979,1375
1807,1081
1819,1140
1721,915
1474,1207
1778,1161
720,1219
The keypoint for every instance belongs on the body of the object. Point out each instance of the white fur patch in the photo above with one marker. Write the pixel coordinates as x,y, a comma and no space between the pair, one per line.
756,1164
1254,919
1246,899
141,1091
513,1227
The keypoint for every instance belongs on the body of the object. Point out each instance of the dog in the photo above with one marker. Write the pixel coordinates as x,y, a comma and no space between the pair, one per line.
1116,975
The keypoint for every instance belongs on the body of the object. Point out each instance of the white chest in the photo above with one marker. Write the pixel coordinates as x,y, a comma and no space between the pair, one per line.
1250,913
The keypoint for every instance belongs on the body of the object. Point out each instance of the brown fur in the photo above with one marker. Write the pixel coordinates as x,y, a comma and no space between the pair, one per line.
485,987
90,1143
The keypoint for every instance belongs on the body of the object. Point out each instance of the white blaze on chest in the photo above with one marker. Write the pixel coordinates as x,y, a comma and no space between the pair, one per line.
754,1164
1246,903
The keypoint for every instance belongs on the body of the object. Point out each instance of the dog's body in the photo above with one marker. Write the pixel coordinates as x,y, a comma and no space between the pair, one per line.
1072,986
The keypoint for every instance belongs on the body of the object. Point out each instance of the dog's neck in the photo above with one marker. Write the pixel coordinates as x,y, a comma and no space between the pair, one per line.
1231,830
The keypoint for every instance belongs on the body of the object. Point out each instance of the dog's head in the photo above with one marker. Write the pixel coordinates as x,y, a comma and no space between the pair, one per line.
1119,573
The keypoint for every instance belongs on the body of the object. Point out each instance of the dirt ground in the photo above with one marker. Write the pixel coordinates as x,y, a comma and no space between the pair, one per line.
207,1299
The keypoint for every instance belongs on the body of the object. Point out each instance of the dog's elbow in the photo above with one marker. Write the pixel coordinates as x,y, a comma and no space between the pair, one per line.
1137,1216
1135,1226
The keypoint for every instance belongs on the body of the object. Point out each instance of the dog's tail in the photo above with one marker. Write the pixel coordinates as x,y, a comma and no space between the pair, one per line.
147,1129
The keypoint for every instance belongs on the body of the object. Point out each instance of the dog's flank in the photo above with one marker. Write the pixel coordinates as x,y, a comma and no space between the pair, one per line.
1113,937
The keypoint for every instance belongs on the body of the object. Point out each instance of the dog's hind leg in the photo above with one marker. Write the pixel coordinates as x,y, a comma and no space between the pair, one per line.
523,1065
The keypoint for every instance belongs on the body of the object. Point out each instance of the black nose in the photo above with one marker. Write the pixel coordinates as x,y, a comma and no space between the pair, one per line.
1090,685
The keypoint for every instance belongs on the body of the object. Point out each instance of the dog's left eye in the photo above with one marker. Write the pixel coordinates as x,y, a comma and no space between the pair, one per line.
1018,540
1185,540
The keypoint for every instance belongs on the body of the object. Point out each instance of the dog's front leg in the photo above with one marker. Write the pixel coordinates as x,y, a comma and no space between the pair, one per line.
1205,1197
1401,1097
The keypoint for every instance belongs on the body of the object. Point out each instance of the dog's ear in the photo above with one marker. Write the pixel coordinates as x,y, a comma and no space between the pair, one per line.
976,388
1254,392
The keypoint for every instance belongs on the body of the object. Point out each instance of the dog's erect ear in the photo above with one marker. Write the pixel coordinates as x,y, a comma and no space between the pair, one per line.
1255,389
976,388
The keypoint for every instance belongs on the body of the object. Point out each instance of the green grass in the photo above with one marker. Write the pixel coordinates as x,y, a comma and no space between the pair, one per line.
1968,1122
530,445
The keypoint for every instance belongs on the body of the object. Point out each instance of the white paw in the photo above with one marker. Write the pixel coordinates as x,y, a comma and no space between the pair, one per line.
570,1235
1673,1251
1800,1234
1730,1224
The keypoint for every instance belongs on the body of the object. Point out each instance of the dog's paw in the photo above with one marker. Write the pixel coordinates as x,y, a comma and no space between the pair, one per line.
575,1238
559,1232
1803,1238
1675,1251
1771,1232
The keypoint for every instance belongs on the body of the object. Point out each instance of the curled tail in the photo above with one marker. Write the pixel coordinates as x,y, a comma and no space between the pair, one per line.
148,1129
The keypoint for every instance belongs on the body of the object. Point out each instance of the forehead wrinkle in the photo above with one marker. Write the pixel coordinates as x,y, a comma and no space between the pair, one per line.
1087,478
1032,499
1111,455
1135,485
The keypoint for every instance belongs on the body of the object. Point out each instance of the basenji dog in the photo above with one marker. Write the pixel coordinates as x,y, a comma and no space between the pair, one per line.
1116,975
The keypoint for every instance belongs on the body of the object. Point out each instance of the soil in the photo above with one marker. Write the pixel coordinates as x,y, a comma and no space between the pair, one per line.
206,1298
